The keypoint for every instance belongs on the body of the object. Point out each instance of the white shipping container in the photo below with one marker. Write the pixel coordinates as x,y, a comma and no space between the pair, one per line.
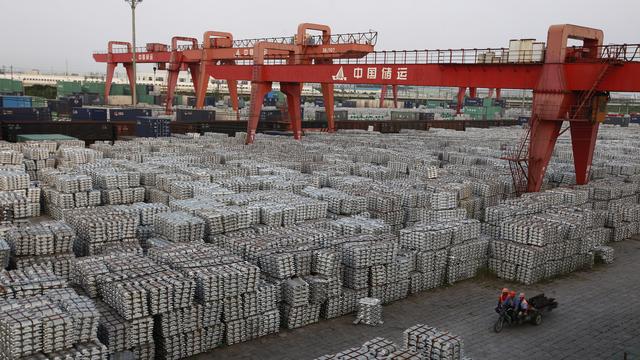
526,49
538,52
119,99
514,51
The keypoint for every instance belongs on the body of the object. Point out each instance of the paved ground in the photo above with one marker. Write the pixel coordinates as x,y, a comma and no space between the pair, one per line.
598,318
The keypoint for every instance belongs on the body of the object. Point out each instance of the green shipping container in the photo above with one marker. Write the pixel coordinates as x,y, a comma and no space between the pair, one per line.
38,102
93,87
66,88
8,86
43,137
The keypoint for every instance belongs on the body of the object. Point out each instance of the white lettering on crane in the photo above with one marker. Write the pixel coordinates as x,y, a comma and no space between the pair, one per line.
339,76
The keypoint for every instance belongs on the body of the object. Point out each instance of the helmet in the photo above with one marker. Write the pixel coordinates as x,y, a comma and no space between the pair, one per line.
521,295
505,290
512,293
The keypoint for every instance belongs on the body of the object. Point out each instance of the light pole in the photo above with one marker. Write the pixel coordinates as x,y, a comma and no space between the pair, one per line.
134,3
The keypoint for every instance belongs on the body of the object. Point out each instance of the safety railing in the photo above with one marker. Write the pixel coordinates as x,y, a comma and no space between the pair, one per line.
460,56
363,38
623,52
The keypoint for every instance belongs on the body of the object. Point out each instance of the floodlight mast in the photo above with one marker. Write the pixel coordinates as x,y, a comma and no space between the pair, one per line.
133,4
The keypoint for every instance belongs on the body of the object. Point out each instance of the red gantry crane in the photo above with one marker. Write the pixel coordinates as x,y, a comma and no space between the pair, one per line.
569,83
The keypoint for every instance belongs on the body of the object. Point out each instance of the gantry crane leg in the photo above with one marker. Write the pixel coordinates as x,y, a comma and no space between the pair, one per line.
294,93
258,91
327,94
583,141
172,81
543,139
111,67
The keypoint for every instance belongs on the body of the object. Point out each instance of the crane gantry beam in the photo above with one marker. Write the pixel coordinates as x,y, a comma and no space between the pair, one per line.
569,83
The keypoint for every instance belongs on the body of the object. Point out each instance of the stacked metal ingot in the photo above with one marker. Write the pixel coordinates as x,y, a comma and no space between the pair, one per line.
38,156
369,312
102,229
19,199
420,342
67,191
549,238
179,226
47,243
48,321
339,202
70,155
231,301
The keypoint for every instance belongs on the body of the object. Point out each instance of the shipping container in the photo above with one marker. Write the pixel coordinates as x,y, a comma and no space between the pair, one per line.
84,130
25,114
11,87
86,113
405,115
338,115
127,114
153,127
8,101
189,115
425,116
43,137
271,115
473,101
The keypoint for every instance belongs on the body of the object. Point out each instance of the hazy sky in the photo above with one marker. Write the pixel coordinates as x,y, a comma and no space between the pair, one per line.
44,34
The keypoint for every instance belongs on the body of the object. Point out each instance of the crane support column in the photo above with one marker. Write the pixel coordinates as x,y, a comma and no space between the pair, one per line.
172,81
111,67
258,92
553,103
327,94
294,93
394,90
583,141
461,93
383,93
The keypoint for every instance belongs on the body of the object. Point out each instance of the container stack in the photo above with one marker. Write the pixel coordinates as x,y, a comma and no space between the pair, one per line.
47,243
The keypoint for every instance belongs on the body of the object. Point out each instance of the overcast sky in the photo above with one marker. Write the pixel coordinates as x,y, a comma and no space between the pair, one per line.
45,34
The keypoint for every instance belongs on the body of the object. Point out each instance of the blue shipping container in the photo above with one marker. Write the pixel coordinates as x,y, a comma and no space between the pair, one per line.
128,114
473,102
15,101
152,127
96,114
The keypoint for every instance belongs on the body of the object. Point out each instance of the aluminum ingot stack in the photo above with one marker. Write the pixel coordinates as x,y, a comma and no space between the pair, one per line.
18,198
5,253
369,312
38,156
552,239
47,243
68,157
48,323
118,186
432,343
103,228
67,191
179,226
420,342
234,303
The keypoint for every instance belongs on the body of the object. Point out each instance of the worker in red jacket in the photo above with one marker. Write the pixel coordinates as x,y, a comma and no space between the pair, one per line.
504,299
